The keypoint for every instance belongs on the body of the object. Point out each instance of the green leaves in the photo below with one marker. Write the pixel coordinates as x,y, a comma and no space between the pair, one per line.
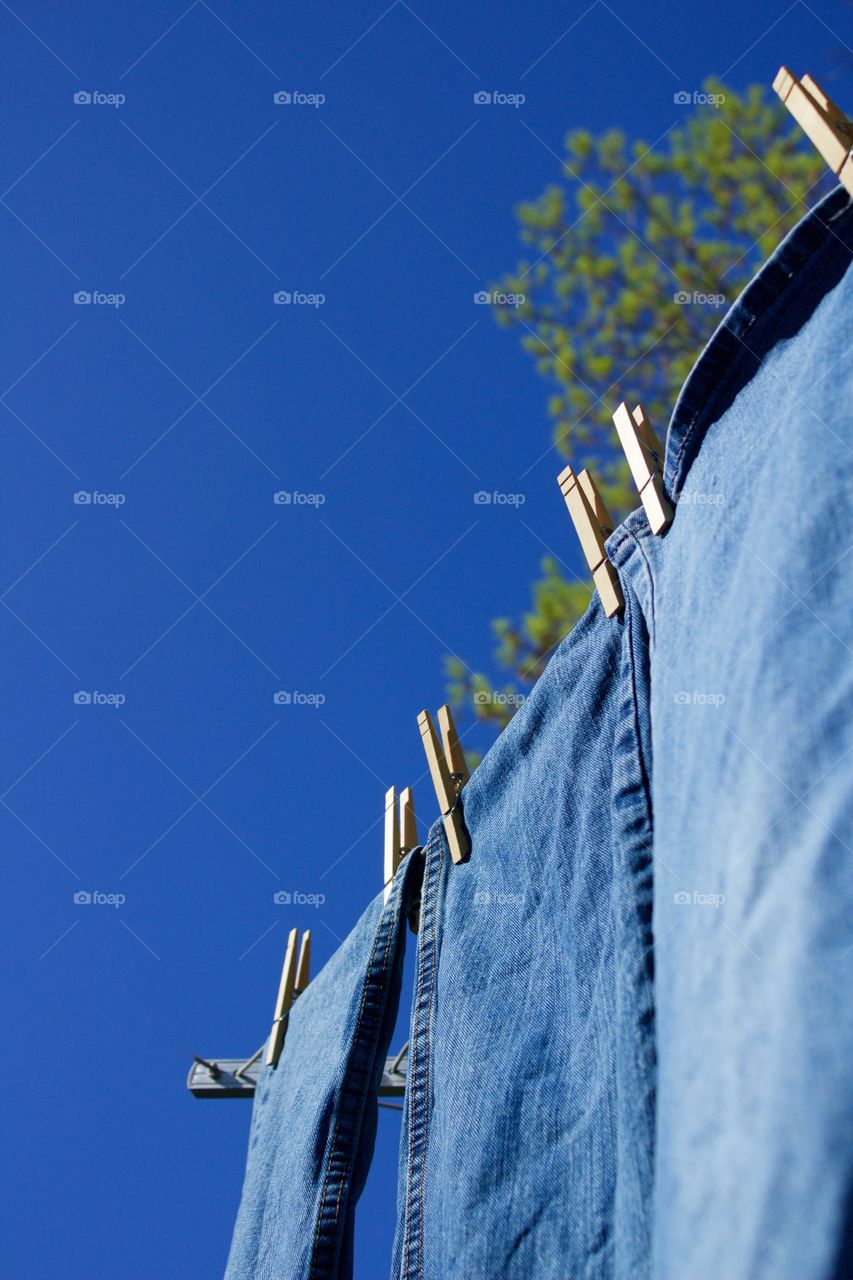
630,262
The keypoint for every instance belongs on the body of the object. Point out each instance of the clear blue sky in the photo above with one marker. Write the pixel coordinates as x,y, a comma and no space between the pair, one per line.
196,599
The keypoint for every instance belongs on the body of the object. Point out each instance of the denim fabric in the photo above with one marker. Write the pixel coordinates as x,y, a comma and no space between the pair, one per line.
527,1136
314,1114
573,1112
752,719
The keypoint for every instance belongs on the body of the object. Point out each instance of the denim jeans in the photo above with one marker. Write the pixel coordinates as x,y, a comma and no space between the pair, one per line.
752,732
314,1114
528,1130
576,1108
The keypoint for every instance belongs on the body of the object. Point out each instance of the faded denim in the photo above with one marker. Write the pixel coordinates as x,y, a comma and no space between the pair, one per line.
528,1132
590,1099
632,1031
314,1115
752,731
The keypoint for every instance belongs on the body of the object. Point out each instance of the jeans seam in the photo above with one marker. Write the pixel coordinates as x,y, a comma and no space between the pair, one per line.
743,353
634,830
345,1130
645,772
620,552
419,1072
638,537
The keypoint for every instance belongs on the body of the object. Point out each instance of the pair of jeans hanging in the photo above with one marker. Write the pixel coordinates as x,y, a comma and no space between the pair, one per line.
752,716
527,1134
315,1113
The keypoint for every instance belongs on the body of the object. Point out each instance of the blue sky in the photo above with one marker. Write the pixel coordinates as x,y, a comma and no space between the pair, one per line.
183,595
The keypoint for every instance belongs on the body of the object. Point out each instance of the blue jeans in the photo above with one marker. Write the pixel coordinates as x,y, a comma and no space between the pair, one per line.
314,1114
752,730
528,1131
621,1075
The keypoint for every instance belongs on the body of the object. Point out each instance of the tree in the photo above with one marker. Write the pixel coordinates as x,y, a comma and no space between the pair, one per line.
630,261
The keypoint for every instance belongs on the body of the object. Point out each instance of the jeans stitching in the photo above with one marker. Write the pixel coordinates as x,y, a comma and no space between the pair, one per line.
382,942
419,1072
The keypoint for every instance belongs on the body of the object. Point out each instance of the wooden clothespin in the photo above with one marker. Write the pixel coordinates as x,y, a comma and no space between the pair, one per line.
408,842
408,822
593,524
401,832
303,968
821,121
449,774
645,458
284,1001
453,753
392,839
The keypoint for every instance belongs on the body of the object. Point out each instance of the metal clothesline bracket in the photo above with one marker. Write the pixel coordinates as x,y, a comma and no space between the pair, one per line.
238,1077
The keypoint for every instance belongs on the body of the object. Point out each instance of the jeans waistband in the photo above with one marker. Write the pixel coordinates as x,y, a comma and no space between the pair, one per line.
774,306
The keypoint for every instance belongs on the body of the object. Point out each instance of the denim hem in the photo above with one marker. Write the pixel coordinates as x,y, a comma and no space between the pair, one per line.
418,1084
632,771
774,306
632,539
632,764
633,838
361,1073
